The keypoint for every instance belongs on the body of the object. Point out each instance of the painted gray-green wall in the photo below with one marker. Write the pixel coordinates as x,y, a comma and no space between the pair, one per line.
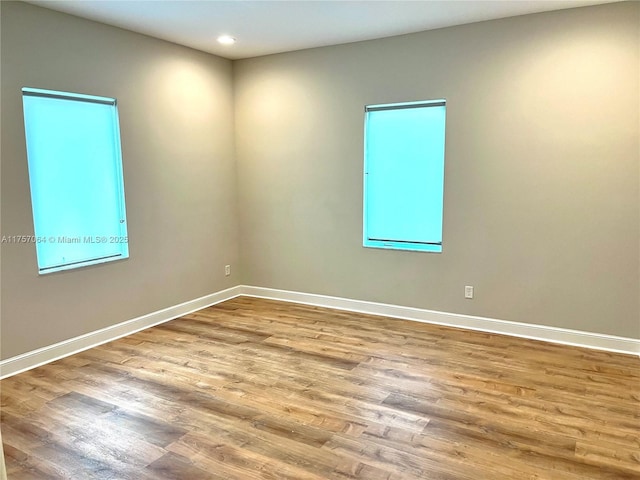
541,179
542,205
176,120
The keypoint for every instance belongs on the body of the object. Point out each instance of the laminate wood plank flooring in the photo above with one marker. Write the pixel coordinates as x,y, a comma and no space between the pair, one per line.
259,389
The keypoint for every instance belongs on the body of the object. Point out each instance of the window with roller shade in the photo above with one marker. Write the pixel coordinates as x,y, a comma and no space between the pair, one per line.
404,175
75,175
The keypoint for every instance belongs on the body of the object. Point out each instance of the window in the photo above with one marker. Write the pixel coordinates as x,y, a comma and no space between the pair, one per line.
75,174
404,175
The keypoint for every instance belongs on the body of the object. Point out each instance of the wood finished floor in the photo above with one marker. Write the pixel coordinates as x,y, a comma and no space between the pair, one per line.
257,389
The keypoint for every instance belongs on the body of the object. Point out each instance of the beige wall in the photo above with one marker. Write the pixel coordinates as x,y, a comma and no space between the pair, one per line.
176,119
542,156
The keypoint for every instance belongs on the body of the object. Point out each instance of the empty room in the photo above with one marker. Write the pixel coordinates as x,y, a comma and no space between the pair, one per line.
314,240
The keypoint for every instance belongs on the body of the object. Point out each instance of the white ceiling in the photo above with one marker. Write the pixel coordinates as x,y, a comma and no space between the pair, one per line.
265,27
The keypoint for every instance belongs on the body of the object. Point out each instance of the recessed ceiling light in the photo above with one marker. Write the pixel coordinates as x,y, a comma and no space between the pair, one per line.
226,40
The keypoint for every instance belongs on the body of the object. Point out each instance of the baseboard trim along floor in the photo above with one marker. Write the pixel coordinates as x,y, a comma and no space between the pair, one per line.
598,341
577,338
35,358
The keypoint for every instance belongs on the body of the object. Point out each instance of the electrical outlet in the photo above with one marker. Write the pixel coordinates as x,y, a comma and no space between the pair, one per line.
468,291
227,270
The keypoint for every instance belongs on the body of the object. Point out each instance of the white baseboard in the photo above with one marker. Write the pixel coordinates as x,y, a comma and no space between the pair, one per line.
41,356
563,336
35,358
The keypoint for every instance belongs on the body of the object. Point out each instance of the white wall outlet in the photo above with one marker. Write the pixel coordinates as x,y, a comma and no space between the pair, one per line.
227,270
468,291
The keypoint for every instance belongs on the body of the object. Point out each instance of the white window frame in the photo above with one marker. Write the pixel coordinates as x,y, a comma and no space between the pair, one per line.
432,245
96,245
